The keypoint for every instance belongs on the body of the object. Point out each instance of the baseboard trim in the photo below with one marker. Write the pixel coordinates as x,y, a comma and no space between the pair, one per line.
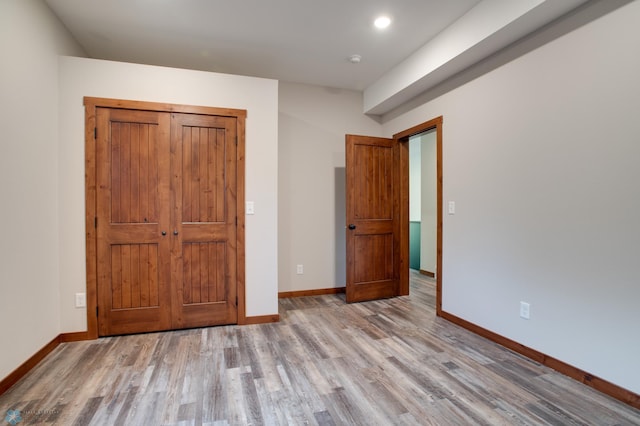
318,292
75,337
263,319
427,273
582,376
29,364
26,366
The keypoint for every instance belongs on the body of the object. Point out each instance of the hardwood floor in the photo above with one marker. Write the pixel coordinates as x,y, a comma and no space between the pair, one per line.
372,363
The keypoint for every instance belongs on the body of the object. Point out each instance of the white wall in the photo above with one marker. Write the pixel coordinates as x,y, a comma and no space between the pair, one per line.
88,77
541,156
313,122
428,201
30,39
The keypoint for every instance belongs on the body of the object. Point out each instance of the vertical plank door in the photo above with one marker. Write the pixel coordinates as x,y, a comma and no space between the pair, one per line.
132,221
372,218
203,219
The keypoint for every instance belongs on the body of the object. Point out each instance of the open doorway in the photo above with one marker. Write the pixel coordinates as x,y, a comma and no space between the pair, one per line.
431,131
423,203
377,213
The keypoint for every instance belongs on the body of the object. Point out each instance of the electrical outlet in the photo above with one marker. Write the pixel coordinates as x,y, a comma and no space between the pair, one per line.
299,269
525,310
81,300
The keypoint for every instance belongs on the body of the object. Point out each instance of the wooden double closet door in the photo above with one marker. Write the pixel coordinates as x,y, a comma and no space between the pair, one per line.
166,220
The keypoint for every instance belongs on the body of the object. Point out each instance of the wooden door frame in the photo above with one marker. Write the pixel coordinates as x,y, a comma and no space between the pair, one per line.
403,168
90,104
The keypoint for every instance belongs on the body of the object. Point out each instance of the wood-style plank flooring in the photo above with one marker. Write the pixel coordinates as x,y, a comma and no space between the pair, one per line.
326,363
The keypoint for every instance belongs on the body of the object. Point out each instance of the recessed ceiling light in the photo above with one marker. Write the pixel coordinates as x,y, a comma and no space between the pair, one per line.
382,22
355,59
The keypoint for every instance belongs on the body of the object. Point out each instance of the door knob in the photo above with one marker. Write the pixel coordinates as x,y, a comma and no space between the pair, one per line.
164,233
352,226
175,232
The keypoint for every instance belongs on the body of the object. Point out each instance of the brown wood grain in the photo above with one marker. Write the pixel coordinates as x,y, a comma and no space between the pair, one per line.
262,319
315,292
198,143
427,273
240,217
129,159
372,207
163,107
401,211
125,230
74,337
90,218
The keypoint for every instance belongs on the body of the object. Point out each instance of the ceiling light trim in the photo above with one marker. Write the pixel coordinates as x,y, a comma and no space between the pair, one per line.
382,22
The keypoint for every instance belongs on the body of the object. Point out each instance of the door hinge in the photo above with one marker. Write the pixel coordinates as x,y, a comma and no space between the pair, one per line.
95,222
236,220
96,311
236,141
236,301
95,133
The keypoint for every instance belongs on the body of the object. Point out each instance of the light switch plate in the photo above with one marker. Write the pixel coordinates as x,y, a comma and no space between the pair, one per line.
452,207
81,300
250,207
525,310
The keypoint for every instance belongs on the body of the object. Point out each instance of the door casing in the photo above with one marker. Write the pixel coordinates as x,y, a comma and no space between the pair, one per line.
401,200
91,104
403,140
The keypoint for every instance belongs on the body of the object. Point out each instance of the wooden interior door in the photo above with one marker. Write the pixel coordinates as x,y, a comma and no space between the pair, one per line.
372,218
166,220
203,188
132,219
